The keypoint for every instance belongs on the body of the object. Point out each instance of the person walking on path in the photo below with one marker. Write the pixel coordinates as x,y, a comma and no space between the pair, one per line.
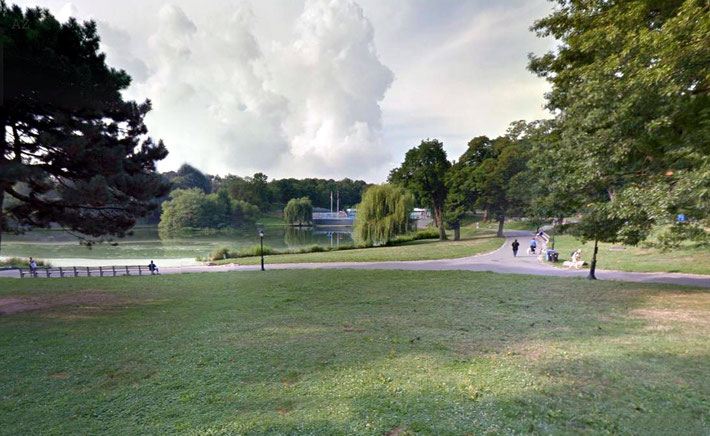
515,245
533,246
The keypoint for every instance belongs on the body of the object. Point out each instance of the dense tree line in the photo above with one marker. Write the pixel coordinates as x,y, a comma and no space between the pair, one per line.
193,209
490,175
266,196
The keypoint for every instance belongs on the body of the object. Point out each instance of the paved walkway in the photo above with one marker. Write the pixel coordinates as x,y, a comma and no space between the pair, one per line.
500,261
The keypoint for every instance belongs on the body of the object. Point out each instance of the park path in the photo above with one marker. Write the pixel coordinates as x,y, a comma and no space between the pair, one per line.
499,261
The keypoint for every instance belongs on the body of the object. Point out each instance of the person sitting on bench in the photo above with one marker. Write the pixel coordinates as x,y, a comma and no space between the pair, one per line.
153,268
33,267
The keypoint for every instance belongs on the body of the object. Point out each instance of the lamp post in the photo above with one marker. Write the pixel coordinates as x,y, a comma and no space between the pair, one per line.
261,236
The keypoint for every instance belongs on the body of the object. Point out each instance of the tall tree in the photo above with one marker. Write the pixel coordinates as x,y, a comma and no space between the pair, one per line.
190,177
493,178
423,172
72,151
631,93
460,198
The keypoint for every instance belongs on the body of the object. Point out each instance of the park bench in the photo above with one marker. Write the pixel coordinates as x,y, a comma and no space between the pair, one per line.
85,271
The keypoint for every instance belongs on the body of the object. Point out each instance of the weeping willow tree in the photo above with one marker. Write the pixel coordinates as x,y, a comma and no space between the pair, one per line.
382,214
298,211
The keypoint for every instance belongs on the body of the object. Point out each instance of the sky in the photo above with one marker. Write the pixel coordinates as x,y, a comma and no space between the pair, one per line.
320,88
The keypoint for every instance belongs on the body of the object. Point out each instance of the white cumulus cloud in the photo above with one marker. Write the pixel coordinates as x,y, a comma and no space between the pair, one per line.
309,104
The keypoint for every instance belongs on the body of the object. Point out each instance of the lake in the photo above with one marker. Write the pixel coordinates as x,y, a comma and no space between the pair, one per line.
63,249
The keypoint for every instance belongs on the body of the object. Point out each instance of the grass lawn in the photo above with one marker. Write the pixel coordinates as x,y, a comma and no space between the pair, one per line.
473,241
692,260
352,352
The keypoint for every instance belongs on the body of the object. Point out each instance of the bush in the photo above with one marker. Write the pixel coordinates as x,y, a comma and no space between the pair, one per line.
425,234
220,253
255,250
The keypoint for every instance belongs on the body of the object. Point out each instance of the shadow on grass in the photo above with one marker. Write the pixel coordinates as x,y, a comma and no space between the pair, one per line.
365,352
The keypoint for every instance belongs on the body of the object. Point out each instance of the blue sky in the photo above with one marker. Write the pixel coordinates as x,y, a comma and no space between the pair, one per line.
320,88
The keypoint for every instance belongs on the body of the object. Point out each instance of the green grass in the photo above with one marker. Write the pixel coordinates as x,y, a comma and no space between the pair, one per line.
472,242
354,352
690,259
271,221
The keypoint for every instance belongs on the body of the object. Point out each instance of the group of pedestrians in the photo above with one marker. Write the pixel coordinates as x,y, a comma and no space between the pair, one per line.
533,244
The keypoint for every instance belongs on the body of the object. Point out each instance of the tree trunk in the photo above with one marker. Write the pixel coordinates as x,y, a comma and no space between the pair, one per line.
3,146
593,266
485,215
440,218
457,231
501,222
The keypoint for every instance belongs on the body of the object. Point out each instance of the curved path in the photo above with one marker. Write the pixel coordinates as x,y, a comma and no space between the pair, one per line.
500,261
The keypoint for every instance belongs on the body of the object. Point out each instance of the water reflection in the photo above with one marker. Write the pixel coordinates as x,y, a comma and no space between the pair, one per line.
147,242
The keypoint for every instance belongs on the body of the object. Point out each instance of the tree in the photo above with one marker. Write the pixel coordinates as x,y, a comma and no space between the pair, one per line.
192,209
460,197
190,177
185,210
423,172
382,214
298,211
598,225
494,178
72,152
631,94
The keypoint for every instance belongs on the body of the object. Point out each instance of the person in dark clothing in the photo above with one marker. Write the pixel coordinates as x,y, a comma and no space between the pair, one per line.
516,245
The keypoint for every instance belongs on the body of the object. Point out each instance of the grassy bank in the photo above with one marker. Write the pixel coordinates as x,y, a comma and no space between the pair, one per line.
353,352
21,262
473,241
257,250
690,259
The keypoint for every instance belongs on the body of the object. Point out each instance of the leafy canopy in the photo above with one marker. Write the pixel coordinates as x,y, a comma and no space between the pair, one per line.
631,93
72,152
423,173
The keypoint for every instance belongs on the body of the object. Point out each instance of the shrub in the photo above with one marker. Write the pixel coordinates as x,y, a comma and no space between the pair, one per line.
255,250
220,253
425,234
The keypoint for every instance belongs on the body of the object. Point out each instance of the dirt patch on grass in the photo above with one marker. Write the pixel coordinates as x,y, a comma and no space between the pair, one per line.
89,299
697,317
691,308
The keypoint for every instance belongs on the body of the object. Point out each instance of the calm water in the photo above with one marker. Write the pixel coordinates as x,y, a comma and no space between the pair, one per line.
61,248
